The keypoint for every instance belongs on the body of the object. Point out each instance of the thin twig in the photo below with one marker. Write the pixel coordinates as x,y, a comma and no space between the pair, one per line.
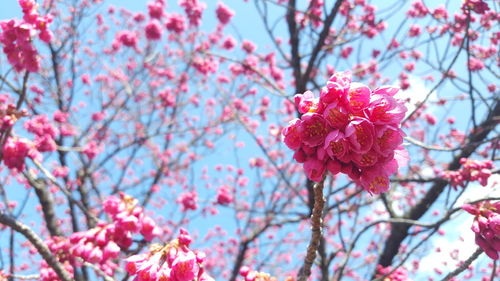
464,266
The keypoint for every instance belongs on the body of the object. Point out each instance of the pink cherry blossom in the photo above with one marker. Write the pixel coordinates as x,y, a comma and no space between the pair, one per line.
360,133
314,129
224,14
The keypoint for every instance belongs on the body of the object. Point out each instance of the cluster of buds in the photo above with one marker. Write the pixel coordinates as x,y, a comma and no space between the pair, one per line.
252,275
48,274
486,226
96,246
102,244
15,150
45,133
472,170
174,261
349,129
400,274
129,218
16,37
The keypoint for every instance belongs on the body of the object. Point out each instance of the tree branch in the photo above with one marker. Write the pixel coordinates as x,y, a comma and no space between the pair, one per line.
316,225
38,243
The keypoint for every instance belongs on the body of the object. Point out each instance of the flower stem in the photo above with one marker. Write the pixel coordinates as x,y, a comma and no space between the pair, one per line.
316,226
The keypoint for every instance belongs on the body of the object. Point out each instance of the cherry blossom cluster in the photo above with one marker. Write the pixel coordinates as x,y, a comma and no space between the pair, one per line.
252,275
48,274
102,244
98,246
15,150
478,6
129,218
16,37
174,261
45,133
486,226
472,170
349,129
400,274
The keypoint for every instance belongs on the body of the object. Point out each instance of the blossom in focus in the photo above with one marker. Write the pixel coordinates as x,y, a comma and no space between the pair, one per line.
486,226
174,261
349,129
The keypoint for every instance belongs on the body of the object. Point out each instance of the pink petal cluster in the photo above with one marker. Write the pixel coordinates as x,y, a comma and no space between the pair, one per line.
48,274
472,170
349,129
224,14
400,274
15,150
126,38
478,6
153,30
188,200
16,37
172,262
129,218
155,9
224,195
45,133
102,244
486,226
194,10
175,23
95,246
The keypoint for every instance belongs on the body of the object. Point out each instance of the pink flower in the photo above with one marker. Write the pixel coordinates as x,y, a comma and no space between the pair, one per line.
293,134
414,31
314,169
336,145
15,151
360,133
336,115
358,97
184,267
333,91
45,143
148,228
341,78
349,129
248,46
367,159
127,38
384,109
153,30
194,10
188,200
475,64
486,226
155,9
229,43
224,14
314,129
175,23
387,139
374,180
306,102
17,45
224,196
